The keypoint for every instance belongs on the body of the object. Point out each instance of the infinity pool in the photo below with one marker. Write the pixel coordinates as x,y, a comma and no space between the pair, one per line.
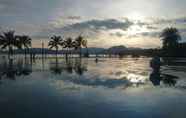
83,88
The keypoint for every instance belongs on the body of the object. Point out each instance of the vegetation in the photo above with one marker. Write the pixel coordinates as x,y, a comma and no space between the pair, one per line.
79,43
8,40
68,44
56,42
24,42
170,39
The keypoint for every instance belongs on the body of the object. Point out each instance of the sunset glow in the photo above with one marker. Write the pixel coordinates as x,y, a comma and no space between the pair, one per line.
121,21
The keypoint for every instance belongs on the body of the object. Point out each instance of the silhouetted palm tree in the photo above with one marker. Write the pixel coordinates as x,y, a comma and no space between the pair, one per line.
170,37
79,43
68,44
56,42
9,40
24,42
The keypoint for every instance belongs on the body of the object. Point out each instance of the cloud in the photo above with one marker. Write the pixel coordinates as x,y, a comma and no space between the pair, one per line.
74,17
107,24
150,27
9,7
176,20
90,28
150,34
118,34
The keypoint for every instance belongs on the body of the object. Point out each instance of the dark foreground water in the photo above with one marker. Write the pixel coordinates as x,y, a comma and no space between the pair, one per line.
111,88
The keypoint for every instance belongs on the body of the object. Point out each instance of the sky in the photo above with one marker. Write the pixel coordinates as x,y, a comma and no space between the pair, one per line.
104,23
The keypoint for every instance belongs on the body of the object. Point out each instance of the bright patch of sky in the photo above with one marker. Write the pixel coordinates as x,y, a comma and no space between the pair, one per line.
105,23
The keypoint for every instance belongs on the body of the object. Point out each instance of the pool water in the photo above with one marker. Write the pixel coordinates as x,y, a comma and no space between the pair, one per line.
83,88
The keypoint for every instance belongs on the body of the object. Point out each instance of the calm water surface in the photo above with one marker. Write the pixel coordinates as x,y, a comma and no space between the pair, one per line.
82,88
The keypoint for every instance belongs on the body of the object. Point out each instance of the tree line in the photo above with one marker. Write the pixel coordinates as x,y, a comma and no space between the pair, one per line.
10,41
170,37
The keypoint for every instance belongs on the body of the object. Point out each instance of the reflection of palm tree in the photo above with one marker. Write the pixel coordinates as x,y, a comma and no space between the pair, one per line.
170,37
11,70
56,69
55,43
157,77
169,79
79,43
9,40
79,67
24,42
69,66
24,69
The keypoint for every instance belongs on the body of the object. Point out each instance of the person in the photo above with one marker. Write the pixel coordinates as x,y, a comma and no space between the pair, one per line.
155,64
96,60
155,78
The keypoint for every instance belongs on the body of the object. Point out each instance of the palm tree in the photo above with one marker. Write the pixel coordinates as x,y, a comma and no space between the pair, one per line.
79,43
55,43
68,44
9,40
24,42
170,37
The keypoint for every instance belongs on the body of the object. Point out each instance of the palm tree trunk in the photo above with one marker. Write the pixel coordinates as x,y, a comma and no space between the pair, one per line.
80,55
25,52
87,53
56,52
66,54
10,52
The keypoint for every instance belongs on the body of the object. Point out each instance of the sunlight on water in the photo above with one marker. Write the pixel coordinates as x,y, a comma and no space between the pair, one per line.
136,78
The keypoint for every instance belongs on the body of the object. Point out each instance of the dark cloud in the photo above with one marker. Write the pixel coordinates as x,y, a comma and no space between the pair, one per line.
140,23
118,34
169,21
107,24
152,27
74,17
90,28
150,34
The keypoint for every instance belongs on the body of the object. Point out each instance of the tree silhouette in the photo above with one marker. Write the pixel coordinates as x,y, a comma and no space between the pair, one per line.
24,42
9,40
79,43
170,37
56,42
68,44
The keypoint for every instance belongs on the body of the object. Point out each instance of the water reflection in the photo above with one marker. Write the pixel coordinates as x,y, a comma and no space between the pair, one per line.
166,79
80,68
69,66
11,69
111,73
55,67
156,77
